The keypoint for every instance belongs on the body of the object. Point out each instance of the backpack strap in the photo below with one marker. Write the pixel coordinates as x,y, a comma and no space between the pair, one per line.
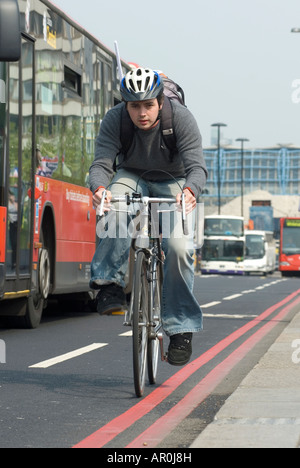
126,132
167,126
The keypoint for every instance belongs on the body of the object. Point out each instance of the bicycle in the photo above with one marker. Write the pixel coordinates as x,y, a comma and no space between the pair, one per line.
144,312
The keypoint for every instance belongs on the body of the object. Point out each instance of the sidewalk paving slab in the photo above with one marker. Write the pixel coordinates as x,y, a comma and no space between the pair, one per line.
264,411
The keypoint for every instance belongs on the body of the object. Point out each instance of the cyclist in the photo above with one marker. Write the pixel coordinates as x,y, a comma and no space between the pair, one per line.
142,94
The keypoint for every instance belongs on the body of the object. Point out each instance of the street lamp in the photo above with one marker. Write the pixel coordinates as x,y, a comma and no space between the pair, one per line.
295,30
219,125
242,140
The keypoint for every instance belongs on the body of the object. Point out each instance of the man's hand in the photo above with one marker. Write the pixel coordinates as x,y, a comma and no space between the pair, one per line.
190,200
97,197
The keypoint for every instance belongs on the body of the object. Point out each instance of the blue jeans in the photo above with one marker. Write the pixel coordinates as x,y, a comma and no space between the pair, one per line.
181,312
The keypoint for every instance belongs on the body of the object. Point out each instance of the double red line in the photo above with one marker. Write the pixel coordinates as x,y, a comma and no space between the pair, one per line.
165,424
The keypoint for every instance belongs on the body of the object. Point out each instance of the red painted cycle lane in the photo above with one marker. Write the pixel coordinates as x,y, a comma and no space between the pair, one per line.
164,425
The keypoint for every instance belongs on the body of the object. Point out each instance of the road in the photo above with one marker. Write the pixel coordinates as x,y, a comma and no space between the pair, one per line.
69,382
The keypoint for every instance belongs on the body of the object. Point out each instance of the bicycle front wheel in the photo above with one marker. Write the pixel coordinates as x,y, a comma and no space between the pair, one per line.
140,323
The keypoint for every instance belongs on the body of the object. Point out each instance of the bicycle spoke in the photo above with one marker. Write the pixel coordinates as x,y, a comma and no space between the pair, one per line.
140,323
155,317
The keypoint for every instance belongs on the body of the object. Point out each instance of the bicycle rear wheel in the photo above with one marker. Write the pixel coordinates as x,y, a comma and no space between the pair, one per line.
140,323
155,293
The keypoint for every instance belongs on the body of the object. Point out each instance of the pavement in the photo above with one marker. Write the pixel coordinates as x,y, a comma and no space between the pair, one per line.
264,411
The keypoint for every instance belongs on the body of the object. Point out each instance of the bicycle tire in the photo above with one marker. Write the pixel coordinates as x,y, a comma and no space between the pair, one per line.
140,323
155,295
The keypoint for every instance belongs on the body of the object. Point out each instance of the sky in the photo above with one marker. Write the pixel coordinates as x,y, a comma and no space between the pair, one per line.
236,60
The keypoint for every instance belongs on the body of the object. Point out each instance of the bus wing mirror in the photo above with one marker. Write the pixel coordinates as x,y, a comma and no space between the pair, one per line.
10,33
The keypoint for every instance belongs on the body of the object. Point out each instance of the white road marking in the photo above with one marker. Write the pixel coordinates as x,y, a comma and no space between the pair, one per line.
67,356
128,333
210,304
209,276
234,316
234,296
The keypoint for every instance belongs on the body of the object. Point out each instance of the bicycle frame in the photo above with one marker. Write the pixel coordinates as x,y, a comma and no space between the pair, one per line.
144,241
144,315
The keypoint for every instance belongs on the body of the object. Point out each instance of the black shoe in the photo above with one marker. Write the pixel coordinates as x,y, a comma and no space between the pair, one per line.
180,349
111,298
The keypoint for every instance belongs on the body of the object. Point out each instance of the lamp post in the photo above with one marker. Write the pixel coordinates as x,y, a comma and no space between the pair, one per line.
242,140
219,125
296,30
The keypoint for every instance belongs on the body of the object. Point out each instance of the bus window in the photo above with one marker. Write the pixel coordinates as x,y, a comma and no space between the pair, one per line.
26,157
13,189
223,227
255,246
49,92
291,241
20,159
3,111
221,249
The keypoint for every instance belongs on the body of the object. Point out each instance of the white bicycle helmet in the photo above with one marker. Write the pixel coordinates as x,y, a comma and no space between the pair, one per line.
141,84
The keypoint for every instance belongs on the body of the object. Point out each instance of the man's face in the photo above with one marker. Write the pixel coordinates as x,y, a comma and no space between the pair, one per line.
144,113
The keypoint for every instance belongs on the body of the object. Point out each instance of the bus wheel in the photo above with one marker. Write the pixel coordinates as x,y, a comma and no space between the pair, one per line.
37,300
33,312
44,273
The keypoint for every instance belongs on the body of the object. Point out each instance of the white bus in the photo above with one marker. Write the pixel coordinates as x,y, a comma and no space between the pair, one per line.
224,245
260,256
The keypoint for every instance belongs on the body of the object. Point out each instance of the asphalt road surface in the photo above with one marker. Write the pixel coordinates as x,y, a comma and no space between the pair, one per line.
69,383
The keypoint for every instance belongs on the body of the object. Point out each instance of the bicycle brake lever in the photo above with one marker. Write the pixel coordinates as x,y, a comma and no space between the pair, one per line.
184,218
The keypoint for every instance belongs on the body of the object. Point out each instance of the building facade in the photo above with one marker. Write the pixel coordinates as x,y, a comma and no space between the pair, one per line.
276,170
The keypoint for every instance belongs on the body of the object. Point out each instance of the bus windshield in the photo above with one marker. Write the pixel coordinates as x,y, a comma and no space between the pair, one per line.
221,249
255,246
291,241
223,227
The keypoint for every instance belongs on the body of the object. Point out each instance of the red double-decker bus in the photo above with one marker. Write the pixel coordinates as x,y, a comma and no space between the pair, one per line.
56,84
289,257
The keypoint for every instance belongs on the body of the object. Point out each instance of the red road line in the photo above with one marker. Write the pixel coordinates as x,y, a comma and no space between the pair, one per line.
115,427
164,425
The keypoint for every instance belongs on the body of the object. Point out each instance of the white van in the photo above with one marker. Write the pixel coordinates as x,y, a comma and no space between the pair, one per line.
260,255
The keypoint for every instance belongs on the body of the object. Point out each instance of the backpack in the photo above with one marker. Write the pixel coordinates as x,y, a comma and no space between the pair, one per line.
172,91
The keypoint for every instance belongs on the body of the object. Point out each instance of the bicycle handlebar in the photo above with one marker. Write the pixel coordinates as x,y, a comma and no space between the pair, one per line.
138,198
